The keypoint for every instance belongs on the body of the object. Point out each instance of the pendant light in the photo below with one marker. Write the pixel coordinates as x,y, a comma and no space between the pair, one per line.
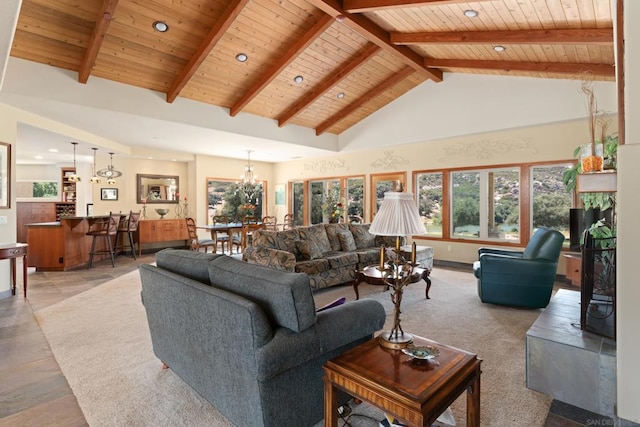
74,177
249,177
95,179
109,172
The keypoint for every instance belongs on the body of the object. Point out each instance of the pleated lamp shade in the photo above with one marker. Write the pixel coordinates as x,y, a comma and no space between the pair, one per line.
398,216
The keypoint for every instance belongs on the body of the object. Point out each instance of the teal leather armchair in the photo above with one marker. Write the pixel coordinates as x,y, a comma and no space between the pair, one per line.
515,278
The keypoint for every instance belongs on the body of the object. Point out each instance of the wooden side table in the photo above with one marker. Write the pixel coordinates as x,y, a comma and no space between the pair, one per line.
415,392
573,267
12,251
372,275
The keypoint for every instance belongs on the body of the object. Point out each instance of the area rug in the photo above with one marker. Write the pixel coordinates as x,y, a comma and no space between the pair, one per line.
101,341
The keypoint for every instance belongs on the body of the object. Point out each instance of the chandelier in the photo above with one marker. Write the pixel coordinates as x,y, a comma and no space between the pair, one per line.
109,172
248,184
74,177
94,178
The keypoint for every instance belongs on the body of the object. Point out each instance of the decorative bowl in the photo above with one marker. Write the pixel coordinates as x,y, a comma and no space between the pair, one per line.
425,352
162,212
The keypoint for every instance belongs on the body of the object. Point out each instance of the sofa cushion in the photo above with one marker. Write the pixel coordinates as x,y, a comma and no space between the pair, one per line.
341,259
389,241
308,250
191,264
361,235
281,240
368,256
347,242
274,258
312,267
333,232
285,297
317,234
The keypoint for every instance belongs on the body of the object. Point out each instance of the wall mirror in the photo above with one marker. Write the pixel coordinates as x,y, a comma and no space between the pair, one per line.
158,188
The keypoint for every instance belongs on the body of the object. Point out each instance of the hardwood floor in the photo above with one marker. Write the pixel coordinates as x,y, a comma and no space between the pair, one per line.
33,390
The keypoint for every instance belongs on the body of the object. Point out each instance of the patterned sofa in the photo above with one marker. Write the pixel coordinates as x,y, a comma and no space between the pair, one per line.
328,253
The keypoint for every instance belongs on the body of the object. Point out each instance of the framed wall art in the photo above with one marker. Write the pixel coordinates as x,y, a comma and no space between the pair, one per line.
108,194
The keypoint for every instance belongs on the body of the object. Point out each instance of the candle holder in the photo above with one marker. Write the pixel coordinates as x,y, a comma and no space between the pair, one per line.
178,210
185,209
144,211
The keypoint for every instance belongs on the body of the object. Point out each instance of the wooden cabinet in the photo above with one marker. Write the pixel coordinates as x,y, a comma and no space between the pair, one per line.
161,230
573,268
32,212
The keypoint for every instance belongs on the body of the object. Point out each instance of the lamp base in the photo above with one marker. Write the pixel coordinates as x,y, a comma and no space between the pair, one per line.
395,342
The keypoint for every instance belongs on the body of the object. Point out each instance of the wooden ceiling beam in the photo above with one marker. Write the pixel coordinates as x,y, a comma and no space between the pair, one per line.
601,70
330,82
221,25
359,6
371,94
599,36
375,34
290,55
97,37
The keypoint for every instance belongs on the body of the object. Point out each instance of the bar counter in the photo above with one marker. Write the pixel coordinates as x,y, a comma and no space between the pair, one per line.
62,245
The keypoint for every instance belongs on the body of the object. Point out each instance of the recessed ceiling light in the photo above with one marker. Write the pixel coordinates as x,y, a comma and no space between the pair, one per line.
340,95
53,150
298,79
160,26
470,13
499,48
39,157
242,57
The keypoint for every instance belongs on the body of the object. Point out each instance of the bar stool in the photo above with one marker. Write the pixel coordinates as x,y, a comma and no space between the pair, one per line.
107,228
129,226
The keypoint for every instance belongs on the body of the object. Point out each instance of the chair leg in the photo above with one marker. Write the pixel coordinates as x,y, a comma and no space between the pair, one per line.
133,252
111,250
93,247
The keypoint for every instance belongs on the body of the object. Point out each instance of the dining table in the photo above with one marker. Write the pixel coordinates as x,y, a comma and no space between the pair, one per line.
229,228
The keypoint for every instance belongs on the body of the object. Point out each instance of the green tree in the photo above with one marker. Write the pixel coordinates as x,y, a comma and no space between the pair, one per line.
45,189
551,210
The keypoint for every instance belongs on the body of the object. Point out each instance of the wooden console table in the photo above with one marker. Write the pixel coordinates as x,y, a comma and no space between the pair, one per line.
12,251
161,230
414,392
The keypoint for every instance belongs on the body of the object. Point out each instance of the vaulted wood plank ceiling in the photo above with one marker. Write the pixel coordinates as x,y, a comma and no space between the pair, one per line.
354,56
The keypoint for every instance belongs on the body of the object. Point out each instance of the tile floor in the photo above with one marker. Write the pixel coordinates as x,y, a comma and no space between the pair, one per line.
33,390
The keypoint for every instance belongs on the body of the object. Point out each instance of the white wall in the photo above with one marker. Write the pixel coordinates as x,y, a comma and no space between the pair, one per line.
8,133
628,297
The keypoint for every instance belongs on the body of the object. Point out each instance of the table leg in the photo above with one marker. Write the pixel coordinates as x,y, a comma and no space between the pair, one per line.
24,274
13,276
356,282
473,401
427,279
330,405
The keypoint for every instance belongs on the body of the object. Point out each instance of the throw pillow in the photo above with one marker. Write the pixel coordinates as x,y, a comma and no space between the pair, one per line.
346,241
308,249
361,235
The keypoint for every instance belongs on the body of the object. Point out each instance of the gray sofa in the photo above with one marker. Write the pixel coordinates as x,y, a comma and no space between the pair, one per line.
247,338
328,253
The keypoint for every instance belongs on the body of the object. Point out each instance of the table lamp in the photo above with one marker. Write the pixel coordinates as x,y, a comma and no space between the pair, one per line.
398,216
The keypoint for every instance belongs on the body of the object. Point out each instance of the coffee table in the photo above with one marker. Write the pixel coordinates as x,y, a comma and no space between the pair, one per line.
373,276
415,393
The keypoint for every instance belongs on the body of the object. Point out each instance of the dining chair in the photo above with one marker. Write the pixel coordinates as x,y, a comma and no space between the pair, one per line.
106,228
128,226
220,236
270,223
195,243
239,241
288,222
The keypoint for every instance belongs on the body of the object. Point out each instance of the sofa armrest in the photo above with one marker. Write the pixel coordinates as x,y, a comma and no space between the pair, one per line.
274,258
335,328
496,251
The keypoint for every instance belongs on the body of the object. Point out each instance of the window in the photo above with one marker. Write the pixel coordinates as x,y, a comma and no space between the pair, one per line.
230,198
324,195
486,204
355,199
381,183
297,202
429,196
551,203
495,203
